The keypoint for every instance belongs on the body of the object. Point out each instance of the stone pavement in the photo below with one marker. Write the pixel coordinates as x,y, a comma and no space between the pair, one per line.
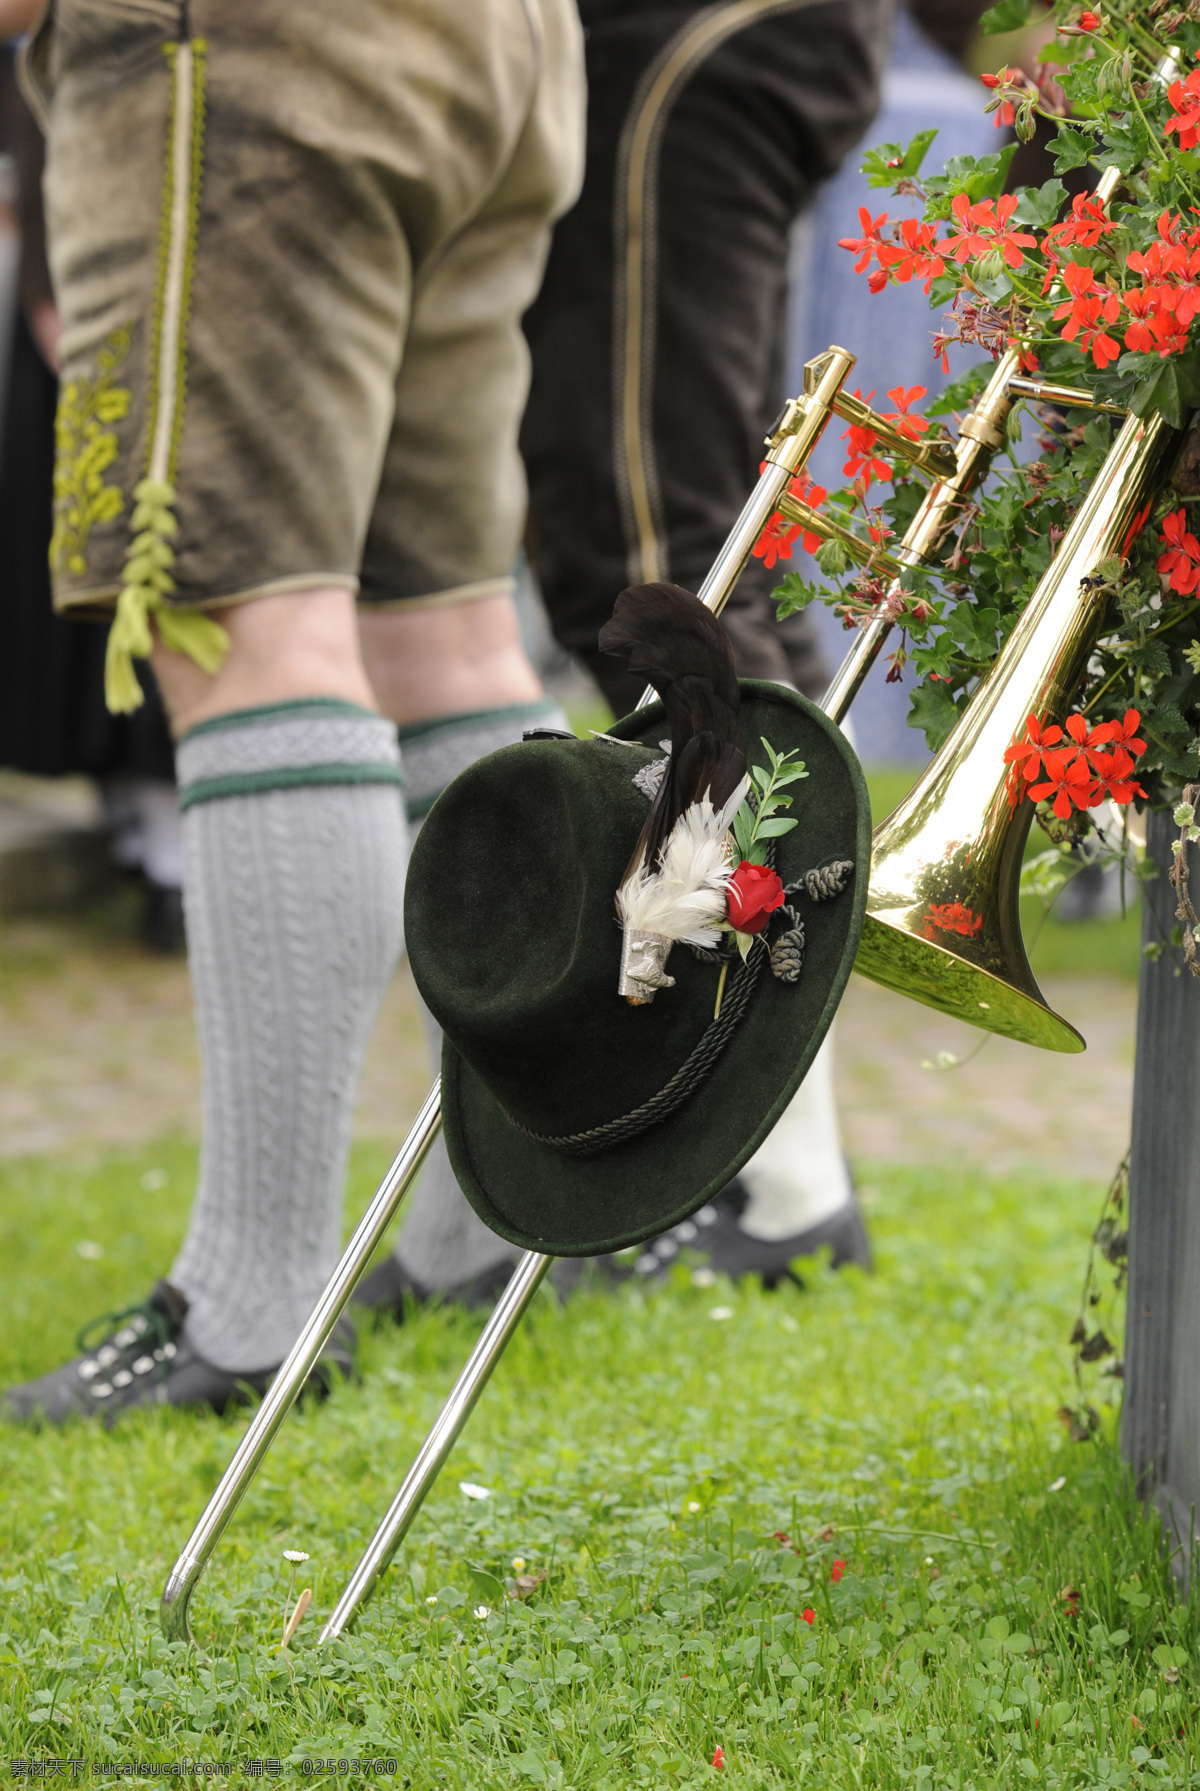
97,1050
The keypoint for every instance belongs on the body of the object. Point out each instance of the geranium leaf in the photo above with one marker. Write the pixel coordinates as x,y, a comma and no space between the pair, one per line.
1041,205
932,709
1006,15
793,595
1159,391
893,162
1071,149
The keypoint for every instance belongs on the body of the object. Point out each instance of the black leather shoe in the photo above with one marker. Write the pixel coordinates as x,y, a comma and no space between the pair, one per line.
387,1288
714,1240
142,1358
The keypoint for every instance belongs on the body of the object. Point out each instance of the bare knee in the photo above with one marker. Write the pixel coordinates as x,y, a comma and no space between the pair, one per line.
446,660
284,647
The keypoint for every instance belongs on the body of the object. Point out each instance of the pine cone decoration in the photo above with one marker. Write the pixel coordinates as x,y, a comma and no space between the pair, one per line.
787,954
827,880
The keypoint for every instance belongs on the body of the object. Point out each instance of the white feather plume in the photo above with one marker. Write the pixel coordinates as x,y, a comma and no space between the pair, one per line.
684,895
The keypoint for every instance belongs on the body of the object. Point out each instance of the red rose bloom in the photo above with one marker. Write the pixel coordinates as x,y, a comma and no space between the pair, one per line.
752,896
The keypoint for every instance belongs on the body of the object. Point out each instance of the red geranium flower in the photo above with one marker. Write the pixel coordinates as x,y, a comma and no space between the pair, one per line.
1090,21
868,245
779,537
984,227
861,459
1090,764
808,1615
1087,309
1184,97
718,1759
1085,226
836,1571
1004,83
1181,562
751,897
912,427
1027,753
915,253
776,541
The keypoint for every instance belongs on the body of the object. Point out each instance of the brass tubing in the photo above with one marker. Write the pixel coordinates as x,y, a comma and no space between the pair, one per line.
368,1234
933,457
1045,391
865,553
788,448
981,434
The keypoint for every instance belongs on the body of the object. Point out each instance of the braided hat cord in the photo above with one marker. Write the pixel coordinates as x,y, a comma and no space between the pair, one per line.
695,1070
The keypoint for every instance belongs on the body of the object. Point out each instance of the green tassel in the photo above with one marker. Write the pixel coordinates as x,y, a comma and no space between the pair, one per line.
147,582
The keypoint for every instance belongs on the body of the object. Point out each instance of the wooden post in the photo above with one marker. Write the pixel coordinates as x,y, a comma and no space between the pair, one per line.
1160,1423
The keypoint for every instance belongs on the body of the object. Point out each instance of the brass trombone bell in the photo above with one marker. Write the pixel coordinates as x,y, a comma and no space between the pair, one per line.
943,924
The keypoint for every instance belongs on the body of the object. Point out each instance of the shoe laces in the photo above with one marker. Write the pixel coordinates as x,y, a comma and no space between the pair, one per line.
130,1343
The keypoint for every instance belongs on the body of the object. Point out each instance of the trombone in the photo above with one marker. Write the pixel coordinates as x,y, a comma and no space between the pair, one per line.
955,838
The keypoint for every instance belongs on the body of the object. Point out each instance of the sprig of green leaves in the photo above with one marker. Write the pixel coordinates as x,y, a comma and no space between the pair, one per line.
753,827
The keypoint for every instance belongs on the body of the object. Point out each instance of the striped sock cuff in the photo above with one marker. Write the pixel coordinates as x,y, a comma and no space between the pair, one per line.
319,740
434,752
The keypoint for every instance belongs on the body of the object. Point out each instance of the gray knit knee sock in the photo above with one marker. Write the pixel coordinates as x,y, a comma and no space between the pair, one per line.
434,752
294,844
443,1242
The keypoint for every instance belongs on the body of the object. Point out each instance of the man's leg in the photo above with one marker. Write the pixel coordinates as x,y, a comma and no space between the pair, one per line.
295,848
657,335
267,1211
456,679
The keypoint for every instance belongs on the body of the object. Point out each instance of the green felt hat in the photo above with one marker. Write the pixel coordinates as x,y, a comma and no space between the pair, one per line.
516,949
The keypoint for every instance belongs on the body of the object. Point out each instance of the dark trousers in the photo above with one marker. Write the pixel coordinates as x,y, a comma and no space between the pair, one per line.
658,336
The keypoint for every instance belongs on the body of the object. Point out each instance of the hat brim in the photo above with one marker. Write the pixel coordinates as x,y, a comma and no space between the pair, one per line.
541,1199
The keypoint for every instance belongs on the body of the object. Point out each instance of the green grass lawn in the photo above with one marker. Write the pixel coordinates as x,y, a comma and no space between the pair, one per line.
687,1468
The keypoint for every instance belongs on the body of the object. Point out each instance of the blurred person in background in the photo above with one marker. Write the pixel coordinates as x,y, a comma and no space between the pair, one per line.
290,251
658,344
53,719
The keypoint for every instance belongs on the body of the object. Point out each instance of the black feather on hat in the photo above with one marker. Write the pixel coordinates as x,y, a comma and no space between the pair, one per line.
674,885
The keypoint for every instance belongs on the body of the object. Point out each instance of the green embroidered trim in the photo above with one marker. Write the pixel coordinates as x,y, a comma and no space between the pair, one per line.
270,712
85,447
445,724
195,175
253,783
146,578
179,298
